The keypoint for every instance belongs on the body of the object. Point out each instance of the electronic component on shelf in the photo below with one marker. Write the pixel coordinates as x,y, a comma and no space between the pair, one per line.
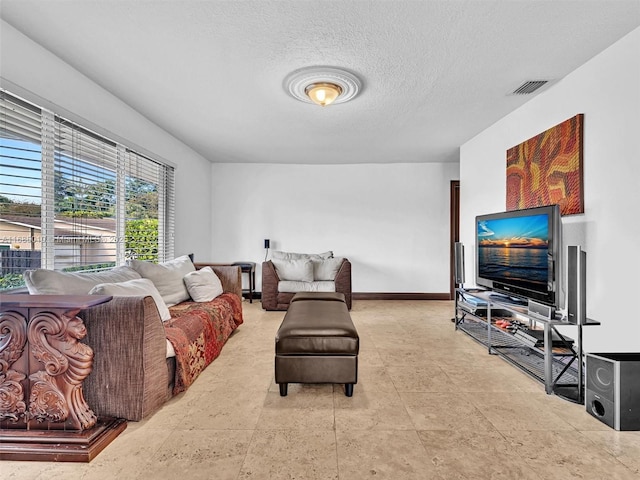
475,301
525,338
482,311
536,338
473,305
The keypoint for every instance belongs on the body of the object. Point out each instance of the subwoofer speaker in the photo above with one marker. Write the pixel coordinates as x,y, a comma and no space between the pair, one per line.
612,391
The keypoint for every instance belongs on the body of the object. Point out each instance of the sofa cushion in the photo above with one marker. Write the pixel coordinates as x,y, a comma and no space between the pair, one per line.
288,286
278,255
203,285
133,288
326,269
300,270
51,282
168,277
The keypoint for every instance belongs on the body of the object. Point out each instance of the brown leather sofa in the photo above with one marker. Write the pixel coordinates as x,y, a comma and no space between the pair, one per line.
272,299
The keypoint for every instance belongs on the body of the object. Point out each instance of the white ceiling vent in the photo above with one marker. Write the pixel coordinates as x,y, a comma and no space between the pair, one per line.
529,87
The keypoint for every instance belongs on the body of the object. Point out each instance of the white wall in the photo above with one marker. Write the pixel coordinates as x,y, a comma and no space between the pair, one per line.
391,221
607,91
35,73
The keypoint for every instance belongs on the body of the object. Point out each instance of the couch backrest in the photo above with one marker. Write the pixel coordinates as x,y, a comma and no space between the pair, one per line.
52,282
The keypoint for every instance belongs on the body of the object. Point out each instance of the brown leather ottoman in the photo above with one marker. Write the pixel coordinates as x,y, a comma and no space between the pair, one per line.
317,343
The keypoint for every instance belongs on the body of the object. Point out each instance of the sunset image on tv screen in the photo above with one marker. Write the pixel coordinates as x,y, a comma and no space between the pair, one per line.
514,250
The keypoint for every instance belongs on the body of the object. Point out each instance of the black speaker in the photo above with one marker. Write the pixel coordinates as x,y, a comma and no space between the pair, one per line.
458,263
576,285
612,391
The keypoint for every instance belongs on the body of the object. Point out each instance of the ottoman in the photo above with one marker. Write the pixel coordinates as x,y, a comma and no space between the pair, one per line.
317,342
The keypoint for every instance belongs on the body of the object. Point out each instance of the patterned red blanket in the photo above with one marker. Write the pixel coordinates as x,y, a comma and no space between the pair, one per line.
198,331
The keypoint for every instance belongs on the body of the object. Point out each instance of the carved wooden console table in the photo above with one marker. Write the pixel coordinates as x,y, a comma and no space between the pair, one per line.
43,413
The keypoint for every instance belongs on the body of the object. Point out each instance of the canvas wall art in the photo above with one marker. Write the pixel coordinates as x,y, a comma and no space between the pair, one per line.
547,169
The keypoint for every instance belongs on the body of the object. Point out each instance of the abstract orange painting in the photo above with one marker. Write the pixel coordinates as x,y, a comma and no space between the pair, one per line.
547,169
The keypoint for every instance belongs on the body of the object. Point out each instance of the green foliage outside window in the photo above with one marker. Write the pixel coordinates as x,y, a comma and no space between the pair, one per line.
142,239
95,267
11,280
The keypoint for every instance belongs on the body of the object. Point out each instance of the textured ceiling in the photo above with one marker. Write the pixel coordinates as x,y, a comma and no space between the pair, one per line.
435,73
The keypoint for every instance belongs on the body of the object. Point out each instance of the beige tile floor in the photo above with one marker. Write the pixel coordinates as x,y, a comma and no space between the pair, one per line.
430,404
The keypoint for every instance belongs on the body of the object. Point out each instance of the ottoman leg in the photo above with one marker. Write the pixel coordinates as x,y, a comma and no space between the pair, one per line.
283,389
348,389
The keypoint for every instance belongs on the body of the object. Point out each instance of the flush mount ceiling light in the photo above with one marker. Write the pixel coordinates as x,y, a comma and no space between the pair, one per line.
322,85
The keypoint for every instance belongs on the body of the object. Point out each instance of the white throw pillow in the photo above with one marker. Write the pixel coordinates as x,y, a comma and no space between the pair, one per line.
278,255
134,288
288,286
298,270
326,269
167,277
51,282
203,285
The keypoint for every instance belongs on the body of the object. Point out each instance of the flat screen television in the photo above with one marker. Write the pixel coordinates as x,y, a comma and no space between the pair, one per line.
518,253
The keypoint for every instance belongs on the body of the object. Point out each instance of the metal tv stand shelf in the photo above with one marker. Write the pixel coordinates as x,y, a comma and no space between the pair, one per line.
559,367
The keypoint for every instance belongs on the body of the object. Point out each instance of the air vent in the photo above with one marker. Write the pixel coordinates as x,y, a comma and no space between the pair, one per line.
529,87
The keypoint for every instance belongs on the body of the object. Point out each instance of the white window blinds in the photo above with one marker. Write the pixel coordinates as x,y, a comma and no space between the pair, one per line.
91,202
20,189
84,199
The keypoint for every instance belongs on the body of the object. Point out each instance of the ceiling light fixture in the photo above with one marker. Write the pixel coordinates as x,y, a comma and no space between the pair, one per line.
323,94
322,85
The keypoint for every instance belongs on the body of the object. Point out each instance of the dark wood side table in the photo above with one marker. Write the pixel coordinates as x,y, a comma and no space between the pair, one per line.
43,364
250,268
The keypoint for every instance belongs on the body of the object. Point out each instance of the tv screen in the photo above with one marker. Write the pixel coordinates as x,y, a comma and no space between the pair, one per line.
518,252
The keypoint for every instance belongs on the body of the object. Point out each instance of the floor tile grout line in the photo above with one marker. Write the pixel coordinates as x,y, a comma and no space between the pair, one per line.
335,433
253,434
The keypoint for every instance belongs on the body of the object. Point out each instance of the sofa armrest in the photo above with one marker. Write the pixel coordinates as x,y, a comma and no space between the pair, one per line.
130,378
343,281
270,281
230,276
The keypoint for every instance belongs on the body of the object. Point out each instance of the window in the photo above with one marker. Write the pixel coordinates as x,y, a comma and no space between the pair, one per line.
71,199
84,187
